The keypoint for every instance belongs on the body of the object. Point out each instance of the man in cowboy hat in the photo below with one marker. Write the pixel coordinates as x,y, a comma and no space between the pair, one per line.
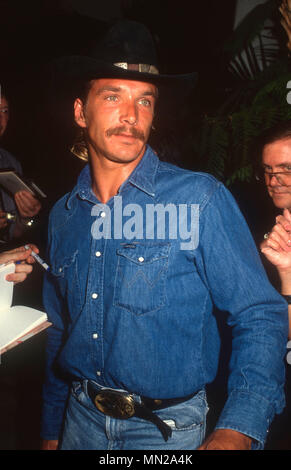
141,251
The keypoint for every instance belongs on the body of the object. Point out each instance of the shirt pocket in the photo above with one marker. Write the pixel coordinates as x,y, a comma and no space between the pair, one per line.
140,284
65,272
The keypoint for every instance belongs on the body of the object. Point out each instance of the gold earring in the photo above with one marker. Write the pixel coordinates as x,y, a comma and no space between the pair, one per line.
79,147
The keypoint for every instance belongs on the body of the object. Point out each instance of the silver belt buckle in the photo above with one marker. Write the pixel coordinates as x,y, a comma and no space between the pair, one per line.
115,404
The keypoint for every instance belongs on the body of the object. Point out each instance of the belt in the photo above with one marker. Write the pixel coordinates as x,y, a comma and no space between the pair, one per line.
123,405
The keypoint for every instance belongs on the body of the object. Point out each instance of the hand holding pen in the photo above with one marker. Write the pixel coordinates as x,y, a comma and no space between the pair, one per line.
38,258
22,258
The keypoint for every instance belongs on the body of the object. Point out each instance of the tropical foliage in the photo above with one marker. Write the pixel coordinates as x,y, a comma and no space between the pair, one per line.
259,65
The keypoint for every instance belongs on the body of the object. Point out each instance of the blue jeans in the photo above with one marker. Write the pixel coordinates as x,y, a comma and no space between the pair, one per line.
86,428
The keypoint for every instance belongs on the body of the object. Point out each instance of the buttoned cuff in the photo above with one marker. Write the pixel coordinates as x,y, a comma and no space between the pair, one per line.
52,422
248,413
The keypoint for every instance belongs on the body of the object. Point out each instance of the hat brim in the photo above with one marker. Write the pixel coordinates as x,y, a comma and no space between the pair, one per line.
88,68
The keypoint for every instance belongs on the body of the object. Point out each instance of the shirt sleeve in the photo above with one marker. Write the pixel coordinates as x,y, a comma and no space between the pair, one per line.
9,203
56,388
257,314
18,167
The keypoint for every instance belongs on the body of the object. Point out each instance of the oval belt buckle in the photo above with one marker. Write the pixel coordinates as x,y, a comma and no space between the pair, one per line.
115,404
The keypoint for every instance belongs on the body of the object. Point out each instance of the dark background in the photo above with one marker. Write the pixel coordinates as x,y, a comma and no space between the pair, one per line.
189,36
34,33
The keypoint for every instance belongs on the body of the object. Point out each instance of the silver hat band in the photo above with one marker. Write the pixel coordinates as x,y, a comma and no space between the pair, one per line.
145,68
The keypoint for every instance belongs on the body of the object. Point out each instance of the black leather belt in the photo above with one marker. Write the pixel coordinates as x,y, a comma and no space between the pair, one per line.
123,405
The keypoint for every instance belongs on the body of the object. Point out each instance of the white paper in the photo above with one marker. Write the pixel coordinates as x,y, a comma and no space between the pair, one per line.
17,320
6,287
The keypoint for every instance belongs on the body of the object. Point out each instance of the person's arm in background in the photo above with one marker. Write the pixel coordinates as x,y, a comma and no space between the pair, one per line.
277,249
3,220
23,259
28,207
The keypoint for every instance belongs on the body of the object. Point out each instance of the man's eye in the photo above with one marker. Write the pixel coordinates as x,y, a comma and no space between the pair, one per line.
145,102
111,98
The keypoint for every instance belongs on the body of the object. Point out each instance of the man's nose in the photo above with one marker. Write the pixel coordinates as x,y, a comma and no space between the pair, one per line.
273,181
129,114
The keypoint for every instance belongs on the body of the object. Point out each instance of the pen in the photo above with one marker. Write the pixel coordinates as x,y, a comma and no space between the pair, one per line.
38,259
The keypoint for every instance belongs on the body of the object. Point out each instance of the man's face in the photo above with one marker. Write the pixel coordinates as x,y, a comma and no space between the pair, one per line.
4,115
117,116
277,158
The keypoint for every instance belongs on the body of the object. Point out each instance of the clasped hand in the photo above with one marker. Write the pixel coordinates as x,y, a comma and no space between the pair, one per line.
277,246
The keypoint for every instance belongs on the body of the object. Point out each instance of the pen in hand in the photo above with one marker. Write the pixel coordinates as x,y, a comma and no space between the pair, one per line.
38,258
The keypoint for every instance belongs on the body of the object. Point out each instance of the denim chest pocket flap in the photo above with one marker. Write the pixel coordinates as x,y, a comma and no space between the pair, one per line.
65,271
140,284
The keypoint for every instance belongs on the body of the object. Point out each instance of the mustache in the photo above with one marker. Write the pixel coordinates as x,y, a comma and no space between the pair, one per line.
123,130
284,191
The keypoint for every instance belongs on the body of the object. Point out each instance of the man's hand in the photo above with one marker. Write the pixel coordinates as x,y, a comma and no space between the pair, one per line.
27,204
226,439
277,247
19,255
49,445
3,220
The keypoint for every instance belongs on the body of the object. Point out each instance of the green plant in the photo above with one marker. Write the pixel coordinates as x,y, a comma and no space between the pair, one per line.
223,140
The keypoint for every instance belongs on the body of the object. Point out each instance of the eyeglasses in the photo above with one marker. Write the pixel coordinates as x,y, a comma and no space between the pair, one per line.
283,177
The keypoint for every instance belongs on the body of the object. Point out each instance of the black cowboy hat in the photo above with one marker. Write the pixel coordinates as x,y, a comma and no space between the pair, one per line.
127,51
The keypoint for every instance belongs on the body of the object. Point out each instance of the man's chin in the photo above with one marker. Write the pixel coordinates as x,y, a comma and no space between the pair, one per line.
127,154
281,200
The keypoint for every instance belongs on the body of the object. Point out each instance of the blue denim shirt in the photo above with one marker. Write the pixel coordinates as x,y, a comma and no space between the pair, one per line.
137,314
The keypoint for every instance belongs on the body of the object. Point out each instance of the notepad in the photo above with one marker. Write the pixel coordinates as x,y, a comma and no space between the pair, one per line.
18,322
11,182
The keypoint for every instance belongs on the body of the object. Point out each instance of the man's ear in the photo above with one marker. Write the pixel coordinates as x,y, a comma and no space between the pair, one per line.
79,113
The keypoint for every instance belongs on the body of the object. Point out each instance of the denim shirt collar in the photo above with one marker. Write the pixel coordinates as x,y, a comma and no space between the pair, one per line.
142,177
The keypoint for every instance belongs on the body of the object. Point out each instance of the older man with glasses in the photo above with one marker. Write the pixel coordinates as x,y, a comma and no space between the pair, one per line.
275,147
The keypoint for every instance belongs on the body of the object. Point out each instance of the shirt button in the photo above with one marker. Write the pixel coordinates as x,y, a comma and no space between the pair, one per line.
141,259
98,372
95,335
94,296
102,214
98,254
